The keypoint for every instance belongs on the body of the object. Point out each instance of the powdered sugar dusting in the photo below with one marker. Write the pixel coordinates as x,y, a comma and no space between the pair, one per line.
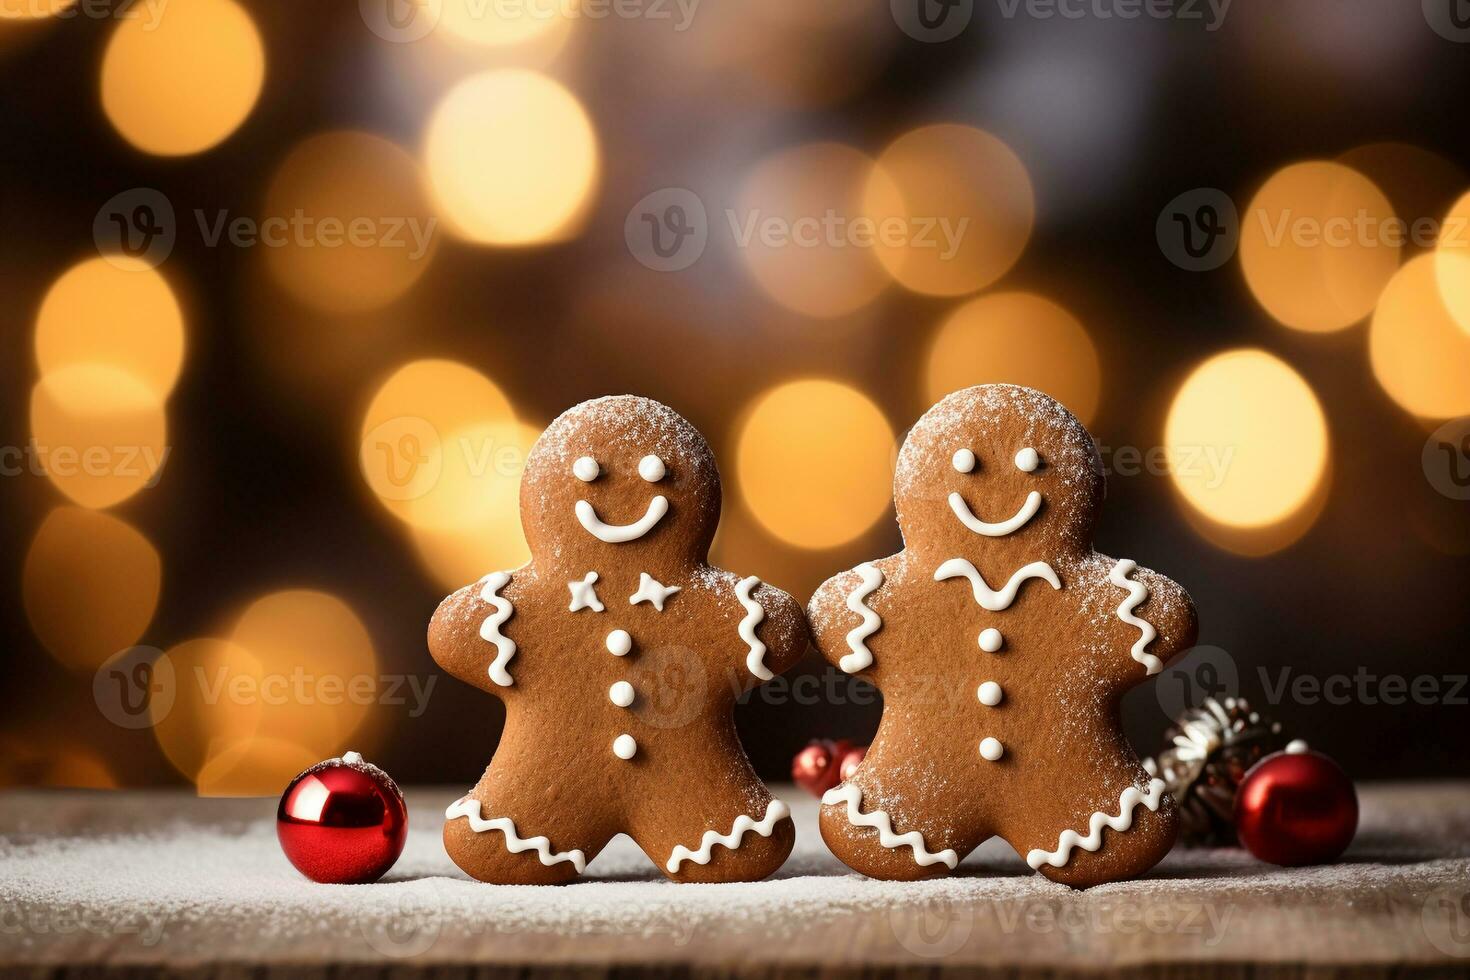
210,883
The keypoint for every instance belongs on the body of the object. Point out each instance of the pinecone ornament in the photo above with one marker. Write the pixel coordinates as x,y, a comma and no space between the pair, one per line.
1211,748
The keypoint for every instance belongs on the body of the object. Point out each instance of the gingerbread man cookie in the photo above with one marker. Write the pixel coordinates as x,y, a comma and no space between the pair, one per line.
619,653
1002,644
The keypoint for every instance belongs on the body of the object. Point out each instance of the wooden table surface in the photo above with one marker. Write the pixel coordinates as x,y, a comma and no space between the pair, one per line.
130,881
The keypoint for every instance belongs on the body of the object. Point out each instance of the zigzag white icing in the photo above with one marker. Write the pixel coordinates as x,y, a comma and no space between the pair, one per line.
505,647
469,808
878,819
776,811
1127,802
1137,593
861,657
987,597
754,616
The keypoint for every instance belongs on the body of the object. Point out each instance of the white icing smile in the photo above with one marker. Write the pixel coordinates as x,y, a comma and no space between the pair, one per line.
1017,521
619,533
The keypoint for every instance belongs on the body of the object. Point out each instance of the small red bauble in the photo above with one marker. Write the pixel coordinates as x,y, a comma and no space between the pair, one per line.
816,768
1296,808
342,821
850,762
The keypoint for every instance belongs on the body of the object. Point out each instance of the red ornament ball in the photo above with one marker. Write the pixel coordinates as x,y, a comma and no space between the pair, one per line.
849,763
342,821
1296,808
817,768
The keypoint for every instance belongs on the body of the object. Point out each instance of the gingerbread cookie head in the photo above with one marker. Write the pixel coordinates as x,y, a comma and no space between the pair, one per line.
619,653
998,469
1002,644
622,476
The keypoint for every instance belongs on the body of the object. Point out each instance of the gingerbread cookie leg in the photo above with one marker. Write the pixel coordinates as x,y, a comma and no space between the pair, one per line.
493,834
1118,828
889,823
728,828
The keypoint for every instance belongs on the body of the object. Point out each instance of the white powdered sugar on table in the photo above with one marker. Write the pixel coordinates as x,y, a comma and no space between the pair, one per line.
212,882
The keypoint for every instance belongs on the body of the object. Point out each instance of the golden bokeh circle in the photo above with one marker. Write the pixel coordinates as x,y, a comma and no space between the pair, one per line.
967,204
90,585
213,703
1246,440
1016,338
482,482
115,311
814,462
317,679
181,83
98,433
366,230
261,765
805,238
511,158
1419,354
1317,245
502,25
1452,263
418,450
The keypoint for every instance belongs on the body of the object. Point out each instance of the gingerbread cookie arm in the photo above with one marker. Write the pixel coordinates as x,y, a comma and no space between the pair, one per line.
772,630
467,635
1154,614
844,619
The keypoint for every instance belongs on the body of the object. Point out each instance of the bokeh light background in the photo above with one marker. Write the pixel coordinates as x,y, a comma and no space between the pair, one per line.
289,290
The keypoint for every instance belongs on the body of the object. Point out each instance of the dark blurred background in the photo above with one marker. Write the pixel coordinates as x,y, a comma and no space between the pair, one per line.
269,447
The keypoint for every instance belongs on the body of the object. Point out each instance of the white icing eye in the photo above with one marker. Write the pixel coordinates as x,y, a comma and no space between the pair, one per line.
1027,460
651,468
586,469
964,460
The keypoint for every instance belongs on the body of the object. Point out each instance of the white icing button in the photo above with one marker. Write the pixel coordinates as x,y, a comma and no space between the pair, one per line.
621,694
586,469
624,746
989,694
990,640
990,749
651,468
964,460
619,643
1026,460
